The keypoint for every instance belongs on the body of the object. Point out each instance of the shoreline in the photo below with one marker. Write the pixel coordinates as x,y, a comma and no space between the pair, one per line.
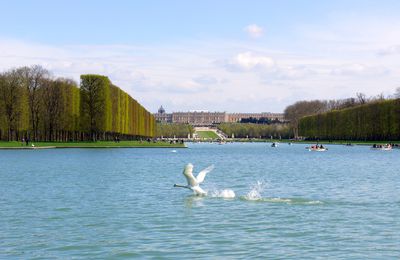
298,142
86,145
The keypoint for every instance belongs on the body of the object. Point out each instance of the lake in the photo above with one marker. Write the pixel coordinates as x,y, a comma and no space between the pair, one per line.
120,203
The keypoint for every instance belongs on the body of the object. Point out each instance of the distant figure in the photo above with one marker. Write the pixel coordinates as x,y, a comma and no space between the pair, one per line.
27,141
22,141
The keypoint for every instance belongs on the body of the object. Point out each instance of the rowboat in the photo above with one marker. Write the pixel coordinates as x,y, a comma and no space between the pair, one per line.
316,148
386,147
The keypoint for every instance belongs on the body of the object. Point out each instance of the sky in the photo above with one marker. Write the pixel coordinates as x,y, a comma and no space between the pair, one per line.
233,56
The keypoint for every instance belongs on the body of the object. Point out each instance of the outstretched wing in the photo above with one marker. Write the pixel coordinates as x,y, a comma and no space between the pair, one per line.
191,180
200,177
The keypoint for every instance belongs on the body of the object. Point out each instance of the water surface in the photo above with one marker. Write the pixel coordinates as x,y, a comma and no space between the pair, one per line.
120,203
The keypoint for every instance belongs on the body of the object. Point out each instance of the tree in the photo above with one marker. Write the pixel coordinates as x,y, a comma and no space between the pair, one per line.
42,108
94,92
362,98
52,107
294,112
34,77
397,93
12,100
373,121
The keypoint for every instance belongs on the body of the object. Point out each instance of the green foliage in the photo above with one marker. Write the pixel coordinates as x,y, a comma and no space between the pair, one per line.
241,130
374,121
95,103
14,117
173,130
106,108
34,106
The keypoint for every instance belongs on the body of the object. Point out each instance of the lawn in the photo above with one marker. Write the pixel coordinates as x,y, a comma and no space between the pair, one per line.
207,134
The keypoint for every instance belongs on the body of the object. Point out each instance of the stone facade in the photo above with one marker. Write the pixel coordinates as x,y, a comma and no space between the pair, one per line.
203,118
236,117
199,117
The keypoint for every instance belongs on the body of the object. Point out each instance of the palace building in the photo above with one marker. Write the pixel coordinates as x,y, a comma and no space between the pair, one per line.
203,118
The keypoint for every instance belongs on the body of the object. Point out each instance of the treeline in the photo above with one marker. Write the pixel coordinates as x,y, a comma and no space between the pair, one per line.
367,122
262,120
35,106
173,130
296,111
240,130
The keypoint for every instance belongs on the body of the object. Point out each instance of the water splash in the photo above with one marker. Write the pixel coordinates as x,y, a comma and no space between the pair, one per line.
255,192
226,194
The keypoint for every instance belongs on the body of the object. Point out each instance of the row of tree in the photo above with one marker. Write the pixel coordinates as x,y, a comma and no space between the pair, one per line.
174,130
35,106
249,130
262,120
296,111
371,121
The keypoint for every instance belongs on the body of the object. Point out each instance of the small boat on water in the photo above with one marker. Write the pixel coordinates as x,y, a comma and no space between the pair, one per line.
274,144
385,147
317,148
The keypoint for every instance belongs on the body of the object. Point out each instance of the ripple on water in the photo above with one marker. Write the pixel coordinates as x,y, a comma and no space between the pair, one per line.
120,204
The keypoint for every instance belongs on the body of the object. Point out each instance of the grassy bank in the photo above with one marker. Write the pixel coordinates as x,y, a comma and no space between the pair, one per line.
100,144
207,134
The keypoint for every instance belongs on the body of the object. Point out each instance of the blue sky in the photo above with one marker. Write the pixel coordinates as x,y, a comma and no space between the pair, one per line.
235,56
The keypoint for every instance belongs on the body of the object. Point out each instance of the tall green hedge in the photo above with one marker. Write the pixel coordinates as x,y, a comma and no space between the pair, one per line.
374,121
97,110
107,110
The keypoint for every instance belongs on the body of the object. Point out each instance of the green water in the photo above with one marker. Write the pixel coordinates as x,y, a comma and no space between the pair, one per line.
120,203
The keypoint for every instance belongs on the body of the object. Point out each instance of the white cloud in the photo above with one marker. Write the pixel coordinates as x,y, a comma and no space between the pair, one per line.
254,31
247,61
185,76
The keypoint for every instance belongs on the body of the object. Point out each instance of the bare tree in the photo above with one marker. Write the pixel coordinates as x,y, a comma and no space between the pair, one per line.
362,98
300,109
34,78
397,93
52,107
380,97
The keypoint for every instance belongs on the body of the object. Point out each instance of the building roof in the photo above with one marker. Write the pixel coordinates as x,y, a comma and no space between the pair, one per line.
161,110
